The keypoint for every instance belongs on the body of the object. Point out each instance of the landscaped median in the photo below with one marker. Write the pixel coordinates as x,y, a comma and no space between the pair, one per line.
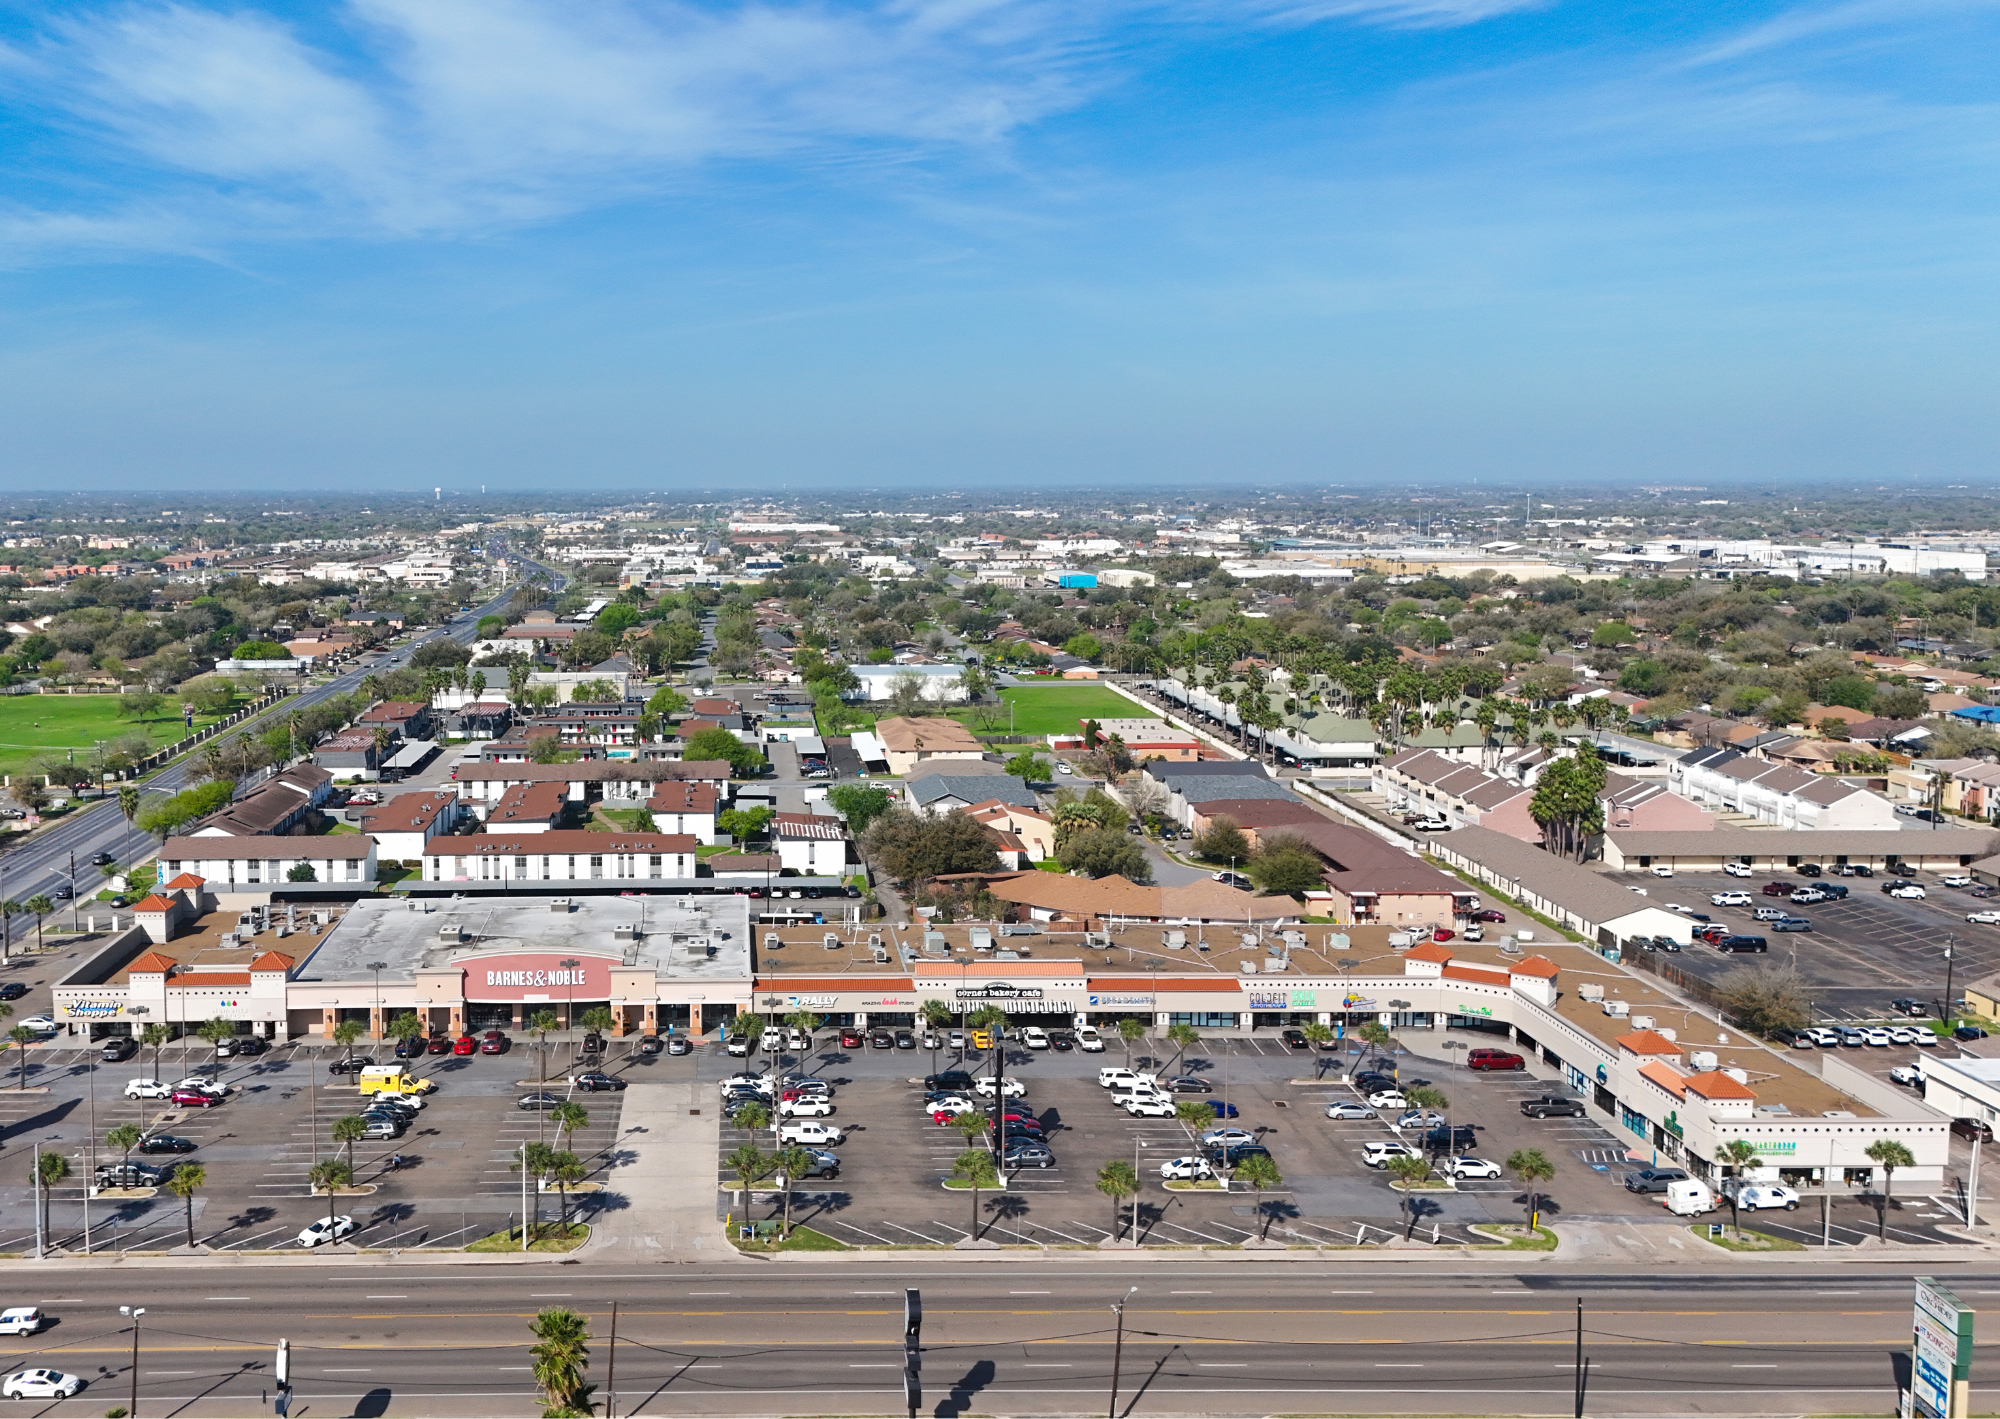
1742,1240
1513,1237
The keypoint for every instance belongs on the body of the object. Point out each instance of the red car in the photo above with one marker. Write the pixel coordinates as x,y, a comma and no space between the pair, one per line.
493,1043
1494,1059
1488,915
1442,933
464,1044
850,1039
194,1099
438,1044
1780,889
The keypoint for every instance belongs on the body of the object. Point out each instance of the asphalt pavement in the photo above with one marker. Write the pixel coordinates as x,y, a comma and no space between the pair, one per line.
756,1337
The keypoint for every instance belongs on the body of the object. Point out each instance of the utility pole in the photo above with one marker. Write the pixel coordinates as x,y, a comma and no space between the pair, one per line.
524,1195
1118,1350
1582,1367
134,1312
282,1374
913,1363
611,1368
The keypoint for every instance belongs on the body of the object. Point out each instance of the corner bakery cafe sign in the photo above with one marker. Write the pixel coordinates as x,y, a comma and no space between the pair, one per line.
1014,999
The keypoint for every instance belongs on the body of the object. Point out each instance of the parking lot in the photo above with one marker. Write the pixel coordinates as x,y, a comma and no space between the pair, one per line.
894,1158
459,1181
1861,953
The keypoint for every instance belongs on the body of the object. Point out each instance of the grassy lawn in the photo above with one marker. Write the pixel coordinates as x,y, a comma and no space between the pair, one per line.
1053,709
802,1239
547,1238
617,820
31,725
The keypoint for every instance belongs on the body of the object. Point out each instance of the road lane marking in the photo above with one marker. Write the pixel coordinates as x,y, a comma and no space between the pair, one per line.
1223,1365
1029,1293
856,1293
365,1298
1350,1293
1047,1365
1399,1365
1753,1367
547,1295
869,1365
362,1371
1852,1293
1190,1293
209,1298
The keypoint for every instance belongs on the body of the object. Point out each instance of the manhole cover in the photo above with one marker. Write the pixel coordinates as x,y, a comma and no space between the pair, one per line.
694,1113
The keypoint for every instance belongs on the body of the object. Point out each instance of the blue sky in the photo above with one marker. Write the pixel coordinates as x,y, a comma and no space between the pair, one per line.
958,243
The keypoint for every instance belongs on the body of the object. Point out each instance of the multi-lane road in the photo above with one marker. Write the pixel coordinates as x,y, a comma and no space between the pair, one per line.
45,861
1030,1338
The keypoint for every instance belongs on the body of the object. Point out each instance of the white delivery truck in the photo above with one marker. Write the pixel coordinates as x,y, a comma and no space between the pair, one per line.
1689,1197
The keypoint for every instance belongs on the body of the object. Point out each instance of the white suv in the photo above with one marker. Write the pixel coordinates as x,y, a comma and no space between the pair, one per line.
148,1089
1035,1037
1729,899
808,1131
1737,869
1377,1155
1112,1076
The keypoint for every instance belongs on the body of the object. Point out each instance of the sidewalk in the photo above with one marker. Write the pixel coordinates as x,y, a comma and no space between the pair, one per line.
660,1193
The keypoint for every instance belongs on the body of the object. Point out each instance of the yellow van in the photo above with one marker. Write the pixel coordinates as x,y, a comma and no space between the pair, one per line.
393,1079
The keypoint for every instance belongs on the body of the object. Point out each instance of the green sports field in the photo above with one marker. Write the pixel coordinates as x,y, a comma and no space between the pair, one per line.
33,725
1061,706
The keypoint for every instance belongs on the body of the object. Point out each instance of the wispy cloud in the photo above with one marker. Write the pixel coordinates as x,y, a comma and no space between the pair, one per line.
424,116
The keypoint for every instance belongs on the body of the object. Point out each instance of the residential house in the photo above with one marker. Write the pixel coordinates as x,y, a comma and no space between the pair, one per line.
680,806
562,856
243,863
402,826
351,754
284,803
937,793
1033,828
809,845
526,808
909,742
1733,782
409,719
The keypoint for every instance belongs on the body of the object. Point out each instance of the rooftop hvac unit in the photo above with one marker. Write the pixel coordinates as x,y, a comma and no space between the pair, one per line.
1273,965
1618,1009
1250,939
1590,992
1249,968
773,941
1337,941
562,904
1667,1034
1702,1060
934,943
451,931
228,939
1295,939
1642,1022
625,933
1741,1076
981,938
830,941
1174,940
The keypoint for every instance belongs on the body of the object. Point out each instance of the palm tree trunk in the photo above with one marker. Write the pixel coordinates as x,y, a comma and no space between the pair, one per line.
190,1220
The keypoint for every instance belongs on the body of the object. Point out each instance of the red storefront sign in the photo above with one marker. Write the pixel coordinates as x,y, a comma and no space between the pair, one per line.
540,976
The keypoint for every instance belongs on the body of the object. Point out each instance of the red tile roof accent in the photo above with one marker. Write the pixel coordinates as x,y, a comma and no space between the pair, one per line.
187,882
1717,1085
1666,1076
1647,1042
1474,973
1427,951
154,902
273,961
152,961
1535,966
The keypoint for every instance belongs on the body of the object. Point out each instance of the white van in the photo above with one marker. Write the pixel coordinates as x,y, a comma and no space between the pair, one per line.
1689,1197
20,1320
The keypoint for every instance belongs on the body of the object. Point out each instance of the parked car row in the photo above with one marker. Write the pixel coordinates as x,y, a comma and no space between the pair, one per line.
1857,1036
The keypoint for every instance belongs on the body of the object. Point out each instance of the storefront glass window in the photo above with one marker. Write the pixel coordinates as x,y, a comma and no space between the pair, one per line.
1205,1019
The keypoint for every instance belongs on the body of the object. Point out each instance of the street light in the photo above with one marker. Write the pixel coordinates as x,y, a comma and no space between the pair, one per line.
1118,1349
134,1312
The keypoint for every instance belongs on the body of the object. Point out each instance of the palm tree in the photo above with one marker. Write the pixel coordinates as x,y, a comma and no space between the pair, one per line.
975,1165
405,1026
935,1015
49,1169
1319,1037
347,1032
1375,1035
1531,1166
1117,1181
1194,1115
346,1132
1260,1170
1409,1172
333,1174
1185,1036
9,909
22,1037
124,1138
155,1035
41,906
1423,1096
215,1032
540,1025
562,1360
1736,1155
565,1170
569,1117
792,1161
749,1163
597,1020
182,1184
1131,1031
1888,1154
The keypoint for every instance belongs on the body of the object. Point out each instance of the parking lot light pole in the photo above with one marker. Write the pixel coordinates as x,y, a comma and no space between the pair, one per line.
380,1024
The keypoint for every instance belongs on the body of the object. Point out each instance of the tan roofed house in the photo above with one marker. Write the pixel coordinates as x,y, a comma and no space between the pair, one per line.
908,742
